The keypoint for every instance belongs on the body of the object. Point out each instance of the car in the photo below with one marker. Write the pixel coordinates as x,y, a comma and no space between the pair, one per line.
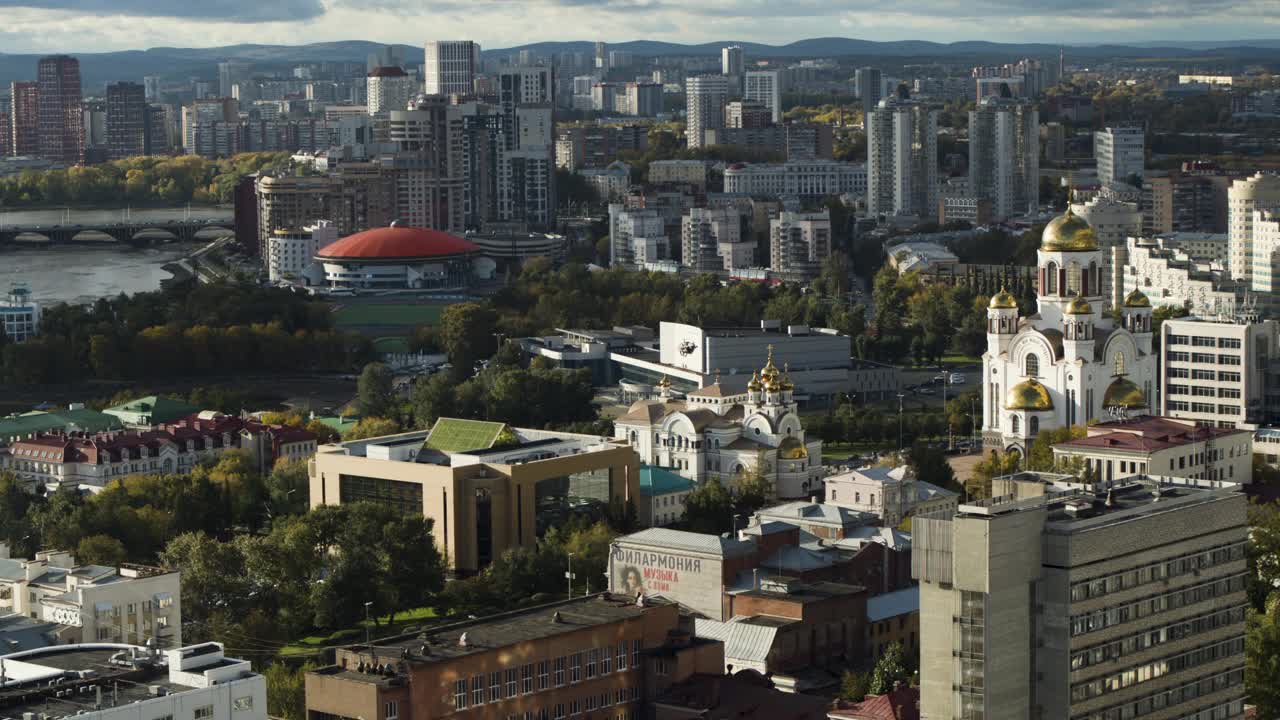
958,379
927,391
940,377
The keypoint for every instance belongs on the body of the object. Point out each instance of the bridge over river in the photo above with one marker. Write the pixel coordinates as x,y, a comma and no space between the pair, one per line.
133,232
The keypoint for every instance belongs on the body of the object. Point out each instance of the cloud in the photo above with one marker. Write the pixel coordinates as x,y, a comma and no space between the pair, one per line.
234,11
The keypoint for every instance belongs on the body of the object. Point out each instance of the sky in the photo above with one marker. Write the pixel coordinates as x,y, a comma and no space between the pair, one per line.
106,25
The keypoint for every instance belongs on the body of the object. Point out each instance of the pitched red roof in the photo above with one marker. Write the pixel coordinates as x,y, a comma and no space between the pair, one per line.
902,703
1146,433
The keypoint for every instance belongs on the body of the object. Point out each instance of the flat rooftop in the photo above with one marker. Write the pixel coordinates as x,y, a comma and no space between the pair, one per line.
35,679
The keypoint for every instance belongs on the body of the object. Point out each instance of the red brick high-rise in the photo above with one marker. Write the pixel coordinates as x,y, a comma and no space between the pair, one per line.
24,118
61,128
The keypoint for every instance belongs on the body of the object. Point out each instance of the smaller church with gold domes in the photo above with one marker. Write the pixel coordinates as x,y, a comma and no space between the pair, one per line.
718,432
1067,363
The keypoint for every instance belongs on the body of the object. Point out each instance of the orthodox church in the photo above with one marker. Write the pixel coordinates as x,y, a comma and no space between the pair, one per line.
718,432
1067,363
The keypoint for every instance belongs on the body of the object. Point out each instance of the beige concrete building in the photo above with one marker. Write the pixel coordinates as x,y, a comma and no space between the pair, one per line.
487,487
1058,600
1162,446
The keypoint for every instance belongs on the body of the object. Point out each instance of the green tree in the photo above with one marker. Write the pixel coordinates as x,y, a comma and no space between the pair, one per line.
414,566
854,686
15,521
752,488
1040,453
371,427
375,393
467,333
286,690
1262,658
100,550
989,468
287,487
931,466
890,669
708,508
324,434
213,575
1264,552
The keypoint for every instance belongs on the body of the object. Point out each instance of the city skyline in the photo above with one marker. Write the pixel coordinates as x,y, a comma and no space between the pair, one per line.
40,26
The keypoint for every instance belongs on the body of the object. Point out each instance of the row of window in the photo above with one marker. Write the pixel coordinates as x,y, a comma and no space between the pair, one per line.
1156,669
1155,604
1147,639
1180,373
1167,568
536,677
1202,391
575,708
1203,358
1169,698
1202,341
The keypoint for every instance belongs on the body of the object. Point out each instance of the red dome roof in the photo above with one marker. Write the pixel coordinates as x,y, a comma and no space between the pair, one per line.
397,242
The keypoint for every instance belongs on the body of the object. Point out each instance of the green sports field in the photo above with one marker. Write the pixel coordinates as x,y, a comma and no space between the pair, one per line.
455,435
366,314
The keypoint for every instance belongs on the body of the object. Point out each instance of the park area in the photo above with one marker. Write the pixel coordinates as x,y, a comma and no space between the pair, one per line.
355,315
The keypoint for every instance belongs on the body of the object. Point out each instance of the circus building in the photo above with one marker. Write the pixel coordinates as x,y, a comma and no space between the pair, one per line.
718,432
401,258
1066,363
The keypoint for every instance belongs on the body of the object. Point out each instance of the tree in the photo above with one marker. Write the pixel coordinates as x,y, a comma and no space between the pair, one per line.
708,508
752,489
991,467
890,670
1264,552
286,690
371,427
213,575
375,393
15,522
467,333
1040,453
100,550
324,434
1262,658
931,466
854,686
415,569
287,487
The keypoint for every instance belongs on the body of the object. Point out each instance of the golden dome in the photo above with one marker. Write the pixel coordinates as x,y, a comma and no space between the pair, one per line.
792,449
769,371
1003,300
1137,298
785,381
1079,306
755,385
664,382
1028,395
1123,393
1068,233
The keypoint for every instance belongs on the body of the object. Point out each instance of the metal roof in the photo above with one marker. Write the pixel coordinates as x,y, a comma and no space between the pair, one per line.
898,602
667,539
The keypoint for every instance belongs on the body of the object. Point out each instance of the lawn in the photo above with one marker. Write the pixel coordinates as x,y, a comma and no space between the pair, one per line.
314,644
364,314
844,451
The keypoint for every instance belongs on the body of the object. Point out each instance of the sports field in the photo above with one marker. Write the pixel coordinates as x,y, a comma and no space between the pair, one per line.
365,314
456,435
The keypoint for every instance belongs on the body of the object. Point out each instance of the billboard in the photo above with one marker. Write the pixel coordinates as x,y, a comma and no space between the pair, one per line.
687,578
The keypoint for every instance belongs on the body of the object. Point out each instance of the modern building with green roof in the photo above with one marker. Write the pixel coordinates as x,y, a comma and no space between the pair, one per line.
152,410
76,418
662,495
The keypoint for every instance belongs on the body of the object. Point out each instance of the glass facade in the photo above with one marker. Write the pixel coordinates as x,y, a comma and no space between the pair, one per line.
584,494
403,496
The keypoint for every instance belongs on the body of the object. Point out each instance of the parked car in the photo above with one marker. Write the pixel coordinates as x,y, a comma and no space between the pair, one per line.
958,379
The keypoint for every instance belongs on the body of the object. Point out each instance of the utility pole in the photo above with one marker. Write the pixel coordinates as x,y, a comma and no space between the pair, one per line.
946,380
900,396
569,576
366,623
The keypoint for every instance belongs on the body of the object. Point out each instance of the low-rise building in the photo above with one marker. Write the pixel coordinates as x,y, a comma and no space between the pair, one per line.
115,681
74,417
923,257
893,617
134,604
596,656
19,315
745,694
1164,446
610,182
662,496
800,178
487,487
679,172
148,412
892,494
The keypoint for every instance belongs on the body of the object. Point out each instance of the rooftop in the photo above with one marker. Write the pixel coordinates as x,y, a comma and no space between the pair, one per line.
666,539
898,602
661,481
1146,433
746,694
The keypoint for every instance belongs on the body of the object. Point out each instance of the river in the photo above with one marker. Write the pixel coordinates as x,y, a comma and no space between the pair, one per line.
84,273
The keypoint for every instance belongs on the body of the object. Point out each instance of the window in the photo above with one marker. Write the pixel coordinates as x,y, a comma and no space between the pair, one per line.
477,689
1051,278
1031,365
391,710
1015,423
1119,364
1033,425
511,682
606,661
242,703
575,708
203,712
635,654
622,656
495,686
559,671
459,695
543,668
526,679
592,657
1227,359
575,668
559,711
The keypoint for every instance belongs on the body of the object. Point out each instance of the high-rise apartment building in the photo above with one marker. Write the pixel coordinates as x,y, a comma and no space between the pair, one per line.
635,235
1215,369
157,131
602,56
1193,199
902,159
731,62
643,99
356,197
711,240
428,165
1120,154
765,87
24,118
390,88
1113,222
1004,156
526,153
705,97
870,89
230,74
1062,600
799,242
61,119
6,134
451,67
126,120
746,114
1244,197
152,85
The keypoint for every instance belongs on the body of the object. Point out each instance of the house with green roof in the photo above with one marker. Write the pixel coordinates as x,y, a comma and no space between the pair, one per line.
76,418
152,410
662,496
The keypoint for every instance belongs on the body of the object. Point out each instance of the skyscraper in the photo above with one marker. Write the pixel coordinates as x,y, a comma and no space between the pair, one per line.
230,74
126,120
1120,154
451,67
61,128
527,153
705,99
902,159
428,165
765,87
390,88
870,88
1245,198
152,84
1004,156
602,56
731,61
24,118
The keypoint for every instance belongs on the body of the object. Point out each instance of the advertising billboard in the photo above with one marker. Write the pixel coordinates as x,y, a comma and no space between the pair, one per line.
688,578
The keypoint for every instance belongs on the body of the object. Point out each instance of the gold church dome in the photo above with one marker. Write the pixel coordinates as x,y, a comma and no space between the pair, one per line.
1079,306
1068,233
1137,298
1028,395
1123,393
1003,300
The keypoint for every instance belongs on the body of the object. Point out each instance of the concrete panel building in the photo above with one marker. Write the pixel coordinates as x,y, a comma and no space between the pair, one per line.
450,66
765,87
1061,600
799,242
705,97
1120,152
902,159
1244,197
1004,156
1215,369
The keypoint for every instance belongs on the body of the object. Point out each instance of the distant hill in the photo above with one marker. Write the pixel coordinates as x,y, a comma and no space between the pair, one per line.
170,62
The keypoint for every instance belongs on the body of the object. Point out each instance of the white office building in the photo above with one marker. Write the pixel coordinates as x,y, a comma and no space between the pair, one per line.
799,242
902,159
870,85
611,182
1244,197
765,87
711,240
1004,156
133,604
19,315
1113,223
290,251
731,62
1119,152
451,67
705,97
1215,369
635,235
798,179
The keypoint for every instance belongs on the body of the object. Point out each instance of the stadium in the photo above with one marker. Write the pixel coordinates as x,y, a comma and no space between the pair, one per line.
400,258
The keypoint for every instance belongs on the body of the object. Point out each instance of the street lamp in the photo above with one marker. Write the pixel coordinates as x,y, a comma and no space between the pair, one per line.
366,623
568,574
946,380
973,422
900,396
